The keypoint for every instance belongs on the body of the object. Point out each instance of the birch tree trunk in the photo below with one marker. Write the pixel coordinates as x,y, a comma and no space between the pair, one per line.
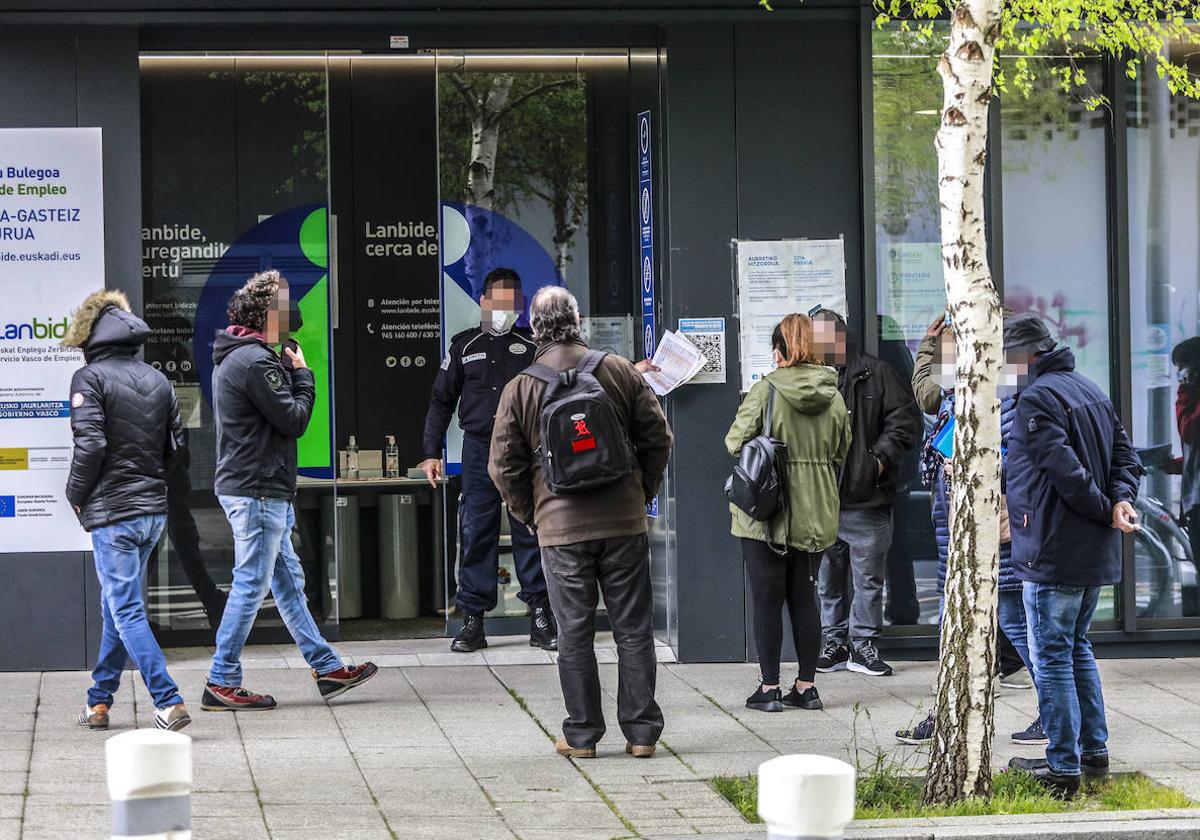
960,755
485,140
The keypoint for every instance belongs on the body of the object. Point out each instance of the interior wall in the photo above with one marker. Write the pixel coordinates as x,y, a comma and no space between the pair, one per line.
56,77
763,139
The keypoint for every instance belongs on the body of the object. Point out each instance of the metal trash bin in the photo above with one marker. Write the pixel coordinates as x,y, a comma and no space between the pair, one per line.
399,546
340,543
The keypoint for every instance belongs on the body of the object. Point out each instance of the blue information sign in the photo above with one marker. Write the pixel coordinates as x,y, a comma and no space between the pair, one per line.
646,251
646,238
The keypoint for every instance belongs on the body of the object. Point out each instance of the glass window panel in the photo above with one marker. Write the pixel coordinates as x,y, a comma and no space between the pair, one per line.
907,101
1163,132
234,181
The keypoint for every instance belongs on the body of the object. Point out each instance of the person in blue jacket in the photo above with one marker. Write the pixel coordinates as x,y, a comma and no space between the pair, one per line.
1072,479
933,385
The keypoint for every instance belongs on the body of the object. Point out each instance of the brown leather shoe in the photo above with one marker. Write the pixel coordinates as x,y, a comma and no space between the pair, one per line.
640,750
95,717
563,748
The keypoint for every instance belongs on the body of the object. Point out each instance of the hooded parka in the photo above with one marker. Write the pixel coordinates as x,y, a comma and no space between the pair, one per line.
124,417
810,418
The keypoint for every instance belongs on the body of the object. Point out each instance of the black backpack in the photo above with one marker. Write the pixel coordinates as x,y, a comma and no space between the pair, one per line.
755,487
584,444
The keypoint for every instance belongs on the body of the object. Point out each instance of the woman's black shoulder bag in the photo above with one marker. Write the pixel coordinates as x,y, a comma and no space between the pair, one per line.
756,485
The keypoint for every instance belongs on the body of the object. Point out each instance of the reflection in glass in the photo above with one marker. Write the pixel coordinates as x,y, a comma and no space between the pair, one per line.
1163,133
907,99
234,181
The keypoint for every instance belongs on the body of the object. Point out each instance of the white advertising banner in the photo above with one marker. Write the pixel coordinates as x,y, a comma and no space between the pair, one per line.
775,278
51,257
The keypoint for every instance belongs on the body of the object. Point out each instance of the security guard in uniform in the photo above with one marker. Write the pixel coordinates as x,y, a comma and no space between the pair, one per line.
479,364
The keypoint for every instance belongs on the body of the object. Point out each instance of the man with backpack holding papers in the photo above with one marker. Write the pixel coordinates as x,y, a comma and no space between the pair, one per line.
578,449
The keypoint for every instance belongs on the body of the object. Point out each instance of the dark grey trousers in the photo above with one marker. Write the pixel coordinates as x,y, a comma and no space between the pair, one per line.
575,575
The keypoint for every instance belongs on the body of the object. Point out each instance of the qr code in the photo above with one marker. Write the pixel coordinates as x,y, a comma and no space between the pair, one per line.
712,346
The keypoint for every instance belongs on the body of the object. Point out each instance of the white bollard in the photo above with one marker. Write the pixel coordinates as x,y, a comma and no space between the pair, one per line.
805,797
150,784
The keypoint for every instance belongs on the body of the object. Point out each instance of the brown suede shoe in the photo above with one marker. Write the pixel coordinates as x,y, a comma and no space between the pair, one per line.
563,748
95,717
640,750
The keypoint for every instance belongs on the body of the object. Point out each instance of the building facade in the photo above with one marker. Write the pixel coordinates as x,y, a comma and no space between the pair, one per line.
344,147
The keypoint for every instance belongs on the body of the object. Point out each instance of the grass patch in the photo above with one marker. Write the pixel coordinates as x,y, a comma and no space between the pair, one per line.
889,795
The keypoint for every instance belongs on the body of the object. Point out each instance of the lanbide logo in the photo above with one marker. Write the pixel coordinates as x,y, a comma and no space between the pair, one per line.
35,330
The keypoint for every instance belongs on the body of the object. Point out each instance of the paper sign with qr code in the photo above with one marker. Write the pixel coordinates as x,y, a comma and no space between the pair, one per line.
708,334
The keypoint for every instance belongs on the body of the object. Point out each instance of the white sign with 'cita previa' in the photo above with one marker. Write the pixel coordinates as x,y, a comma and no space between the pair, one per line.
51,257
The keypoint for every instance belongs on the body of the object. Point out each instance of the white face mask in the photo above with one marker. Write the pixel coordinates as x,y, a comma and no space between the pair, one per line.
501,321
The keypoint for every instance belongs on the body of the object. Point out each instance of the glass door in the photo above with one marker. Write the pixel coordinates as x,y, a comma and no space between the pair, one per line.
235,182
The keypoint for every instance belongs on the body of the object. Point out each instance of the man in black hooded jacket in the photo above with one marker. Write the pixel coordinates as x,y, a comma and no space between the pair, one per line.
125,421
261,409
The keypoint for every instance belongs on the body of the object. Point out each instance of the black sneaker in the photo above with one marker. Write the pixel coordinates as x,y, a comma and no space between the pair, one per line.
1094,766
470,638
833,658
922,733
864,659
1060,787
543,631
807,699
765,701
1033,736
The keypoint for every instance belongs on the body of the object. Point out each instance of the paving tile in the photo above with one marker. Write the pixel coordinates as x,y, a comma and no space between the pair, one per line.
229,828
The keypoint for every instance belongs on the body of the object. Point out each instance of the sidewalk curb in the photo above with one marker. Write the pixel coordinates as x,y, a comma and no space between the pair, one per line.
1095,825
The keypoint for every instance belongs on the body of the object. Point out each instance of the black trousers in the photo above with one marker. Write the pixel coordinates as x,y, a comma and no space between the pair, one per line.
575,575
776,580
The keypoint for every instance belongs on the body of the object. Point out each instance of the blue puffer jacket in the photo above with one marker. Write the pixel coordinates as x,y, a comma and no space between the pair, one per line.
1009,582
1069,462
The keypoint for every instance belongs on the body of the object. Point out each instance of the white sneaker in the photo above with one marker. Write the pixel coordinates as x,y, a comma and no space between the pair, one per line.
1017,680
172,718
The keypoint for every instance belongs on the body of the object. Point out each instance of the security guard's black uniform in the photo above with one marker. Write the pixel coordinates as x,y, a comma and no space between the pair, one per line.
477,367
473,375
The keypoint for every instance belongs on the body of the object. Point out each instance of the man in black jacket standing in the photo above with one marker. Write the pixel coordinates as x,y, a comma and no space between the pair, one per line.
125,421
1072,479
261,408
478,364
885,423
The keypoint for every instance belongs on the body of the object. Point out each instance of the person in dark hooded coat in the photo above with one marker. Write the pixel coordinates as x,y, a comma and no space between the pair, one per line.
125,423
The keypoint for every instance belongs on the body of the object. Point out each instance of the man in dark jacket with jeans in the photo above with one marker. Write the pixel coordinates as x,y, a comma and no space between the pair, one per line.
885,423
594,541
261,408
1072,480
125,420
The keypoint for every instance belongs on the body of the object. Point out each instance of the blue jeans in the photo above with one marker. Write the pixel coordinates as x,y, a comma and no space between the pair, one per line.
481,539
264,559
1065,673
121,552
1010,615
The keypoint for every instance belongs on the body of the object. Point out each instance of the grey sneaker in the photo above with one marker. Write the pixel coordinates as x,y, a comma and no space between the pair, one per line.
94,717
172,718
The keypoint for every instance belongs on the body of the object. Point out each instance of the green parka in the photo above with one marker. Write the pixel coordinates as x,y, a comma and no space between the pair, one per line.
811,418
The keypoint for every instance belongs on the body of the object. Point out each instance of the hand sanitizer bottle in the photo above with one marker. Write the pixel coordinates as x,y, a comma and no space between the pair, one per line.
352,459
391,458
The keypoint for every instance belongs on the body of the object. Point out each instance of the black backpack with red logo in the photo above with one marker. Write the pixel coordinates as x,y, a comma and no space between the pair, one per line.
584,444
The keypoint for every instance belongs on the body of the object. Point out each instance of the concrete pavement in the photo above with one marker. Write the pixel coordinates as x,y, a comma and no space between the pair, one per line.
433,748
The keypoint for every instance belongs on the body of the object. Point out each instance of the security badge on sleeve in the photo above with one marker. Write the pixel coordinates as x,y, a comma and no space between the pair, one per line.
274,379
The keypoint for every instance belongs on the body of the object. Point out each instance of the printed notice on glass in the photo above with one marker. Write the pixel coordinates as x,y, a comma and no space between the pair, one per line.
51,258
610,333
708,334
775,278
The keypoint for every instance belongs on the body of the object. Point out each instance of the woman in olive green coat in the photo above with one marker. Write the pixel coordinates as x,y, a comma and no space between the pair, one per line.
781,555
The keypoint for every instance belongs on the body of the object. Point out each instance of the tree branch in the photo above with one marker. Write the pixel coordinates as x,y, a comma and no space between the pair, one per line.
530,94
465,91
